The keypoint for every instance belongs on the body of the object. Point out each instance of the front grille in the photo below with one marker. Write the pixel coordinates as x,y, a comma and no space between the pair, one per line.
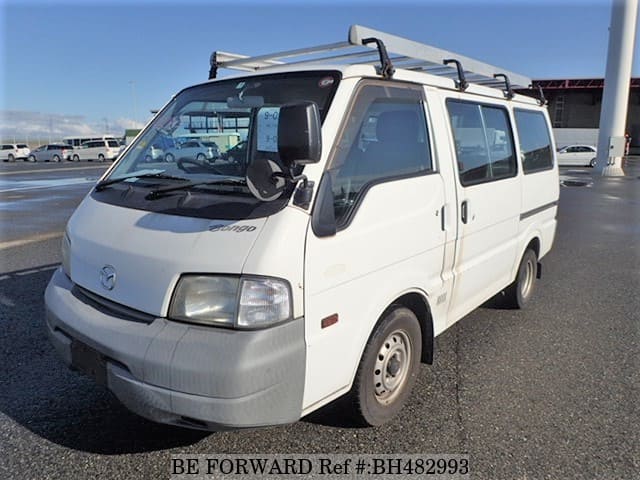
110,308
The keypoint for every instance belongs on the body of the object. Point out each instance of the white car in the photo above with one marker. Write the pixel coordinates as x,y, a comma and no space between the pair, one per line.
99,150
10,152
193,149
577,156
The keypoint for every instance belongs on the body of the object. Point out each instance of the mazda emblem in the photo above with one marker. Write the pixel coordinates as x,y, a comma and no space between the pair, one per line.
108,277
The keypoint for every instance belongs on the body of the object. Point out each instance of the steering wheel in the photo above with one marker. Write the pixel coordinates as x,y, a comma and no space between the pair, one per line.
190,165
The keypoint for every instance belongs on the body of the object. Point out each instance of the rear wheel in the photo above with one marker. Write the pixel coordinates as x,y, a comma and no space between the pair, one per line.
101,158
75,158
518,294
32,158
169,158
388,368
201,157
592,163
55,158
11,158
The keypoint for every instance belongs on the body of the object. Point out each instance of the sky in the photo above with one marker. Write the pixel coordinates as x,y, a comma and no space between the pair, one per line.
82,67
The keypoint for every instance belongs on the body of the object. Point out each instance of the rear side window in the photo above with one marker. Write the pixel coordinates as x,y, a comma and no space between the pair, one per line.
22,145
535,141
113,143
484,143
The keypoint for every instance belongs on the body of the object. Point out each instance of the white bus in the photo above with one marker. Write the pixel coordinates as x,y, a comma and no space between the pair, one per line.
76,141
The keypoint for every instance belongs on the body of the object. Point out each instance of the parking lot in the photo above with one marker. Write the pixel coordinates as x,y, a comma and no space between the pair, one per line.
548,392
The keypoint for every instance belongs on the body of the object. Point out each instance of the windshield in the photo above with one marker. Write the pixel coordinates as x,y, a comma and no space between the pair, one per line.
209,132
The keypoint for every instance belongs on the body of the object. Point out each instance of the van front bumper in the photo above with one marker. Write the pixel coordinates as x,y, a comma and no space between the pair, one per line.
182,374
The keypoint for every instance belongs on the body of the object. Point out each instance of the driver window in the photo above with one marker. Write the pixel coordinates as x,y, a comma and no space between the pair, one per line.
385,138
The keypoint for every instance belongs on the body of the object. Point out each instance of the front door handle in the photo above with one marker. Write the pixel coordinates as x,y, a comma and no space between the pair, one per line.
463,211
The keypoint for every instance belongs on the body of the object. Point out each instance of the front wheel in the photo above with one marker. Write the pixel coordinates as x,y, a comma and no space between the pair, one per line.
11,158
388,368
75,158
169,158
101,158
32,158
518,294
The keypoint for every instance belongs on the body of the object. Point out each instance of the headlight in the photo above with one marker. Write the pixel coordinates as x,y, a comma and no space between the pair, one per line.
66,255
251,302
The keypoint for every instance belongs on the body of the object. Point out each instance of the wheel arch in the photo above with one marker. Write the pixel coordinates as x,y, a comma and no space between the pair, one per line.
534,242
418,303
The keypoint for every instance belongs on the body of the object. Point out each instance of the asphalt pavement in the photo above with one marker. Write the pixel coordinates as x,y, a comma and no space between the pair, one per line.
548,392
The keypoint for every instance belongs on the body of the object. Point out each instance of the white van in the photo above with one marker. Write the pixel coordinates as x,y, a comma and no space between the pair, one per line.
100,150
371,208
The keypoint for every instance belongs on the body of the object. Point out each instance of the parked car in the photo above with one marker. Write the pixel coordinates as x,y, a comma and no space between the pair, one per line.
50,153
577,155
11,152
99,150
193,149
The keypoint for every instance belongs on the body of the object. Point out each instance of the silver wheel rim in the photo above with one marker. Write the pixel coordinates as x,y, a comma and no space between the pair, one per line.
527,281
391,368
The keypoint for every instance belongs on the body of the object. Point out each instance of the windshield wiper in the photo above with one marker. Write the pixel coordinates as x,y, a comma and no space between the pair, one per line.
153,194
160,175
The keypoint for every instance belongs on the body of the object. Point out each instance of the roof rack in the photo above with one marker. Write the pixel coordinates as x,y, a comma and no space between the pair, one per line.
371,47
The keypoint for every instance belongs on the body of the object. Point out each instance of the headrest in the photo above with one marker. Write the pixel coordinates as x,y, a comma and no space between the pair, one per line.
397,126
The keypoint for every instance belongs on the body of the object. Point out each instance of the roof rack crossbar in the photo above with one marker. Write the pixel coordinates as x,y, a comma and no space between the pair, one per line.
291,53
361,43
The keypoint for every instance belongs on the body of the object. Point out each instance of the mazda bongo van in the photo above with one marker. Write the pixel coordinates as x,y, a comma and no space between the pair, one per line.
375,202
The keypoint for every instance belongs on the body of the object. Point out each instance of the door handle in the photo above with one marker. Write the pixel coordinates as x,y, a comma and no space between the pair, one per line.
463,211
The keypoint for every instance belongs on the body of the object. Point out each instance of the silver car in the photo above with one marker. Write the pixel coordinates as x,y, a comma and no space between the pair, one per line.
50,153
193,149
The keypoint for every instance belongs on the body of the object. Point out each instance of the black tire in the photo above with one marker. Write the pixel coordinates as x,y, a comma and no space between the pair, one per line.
169,158
11,158
388,368
201,157
148,159
32,158
518,294
75,158
101,158
592,163
55,158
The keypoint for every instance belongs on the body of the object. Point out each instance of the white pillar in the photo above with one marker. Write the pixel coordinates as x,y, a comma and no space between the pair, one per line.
615,99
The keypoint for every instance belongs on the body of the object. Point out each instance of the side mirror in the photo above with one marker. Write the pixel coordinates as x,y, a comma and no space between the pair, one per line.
299,133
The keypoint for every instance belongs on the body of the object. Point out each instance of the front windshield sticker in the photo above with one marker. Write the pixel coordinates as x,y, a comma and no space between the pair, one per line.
267,130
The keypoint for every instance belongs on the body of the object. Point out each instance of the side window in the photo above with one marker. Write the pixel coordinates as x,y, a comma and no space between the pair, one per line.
500,141
483,141
535,141
385,137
